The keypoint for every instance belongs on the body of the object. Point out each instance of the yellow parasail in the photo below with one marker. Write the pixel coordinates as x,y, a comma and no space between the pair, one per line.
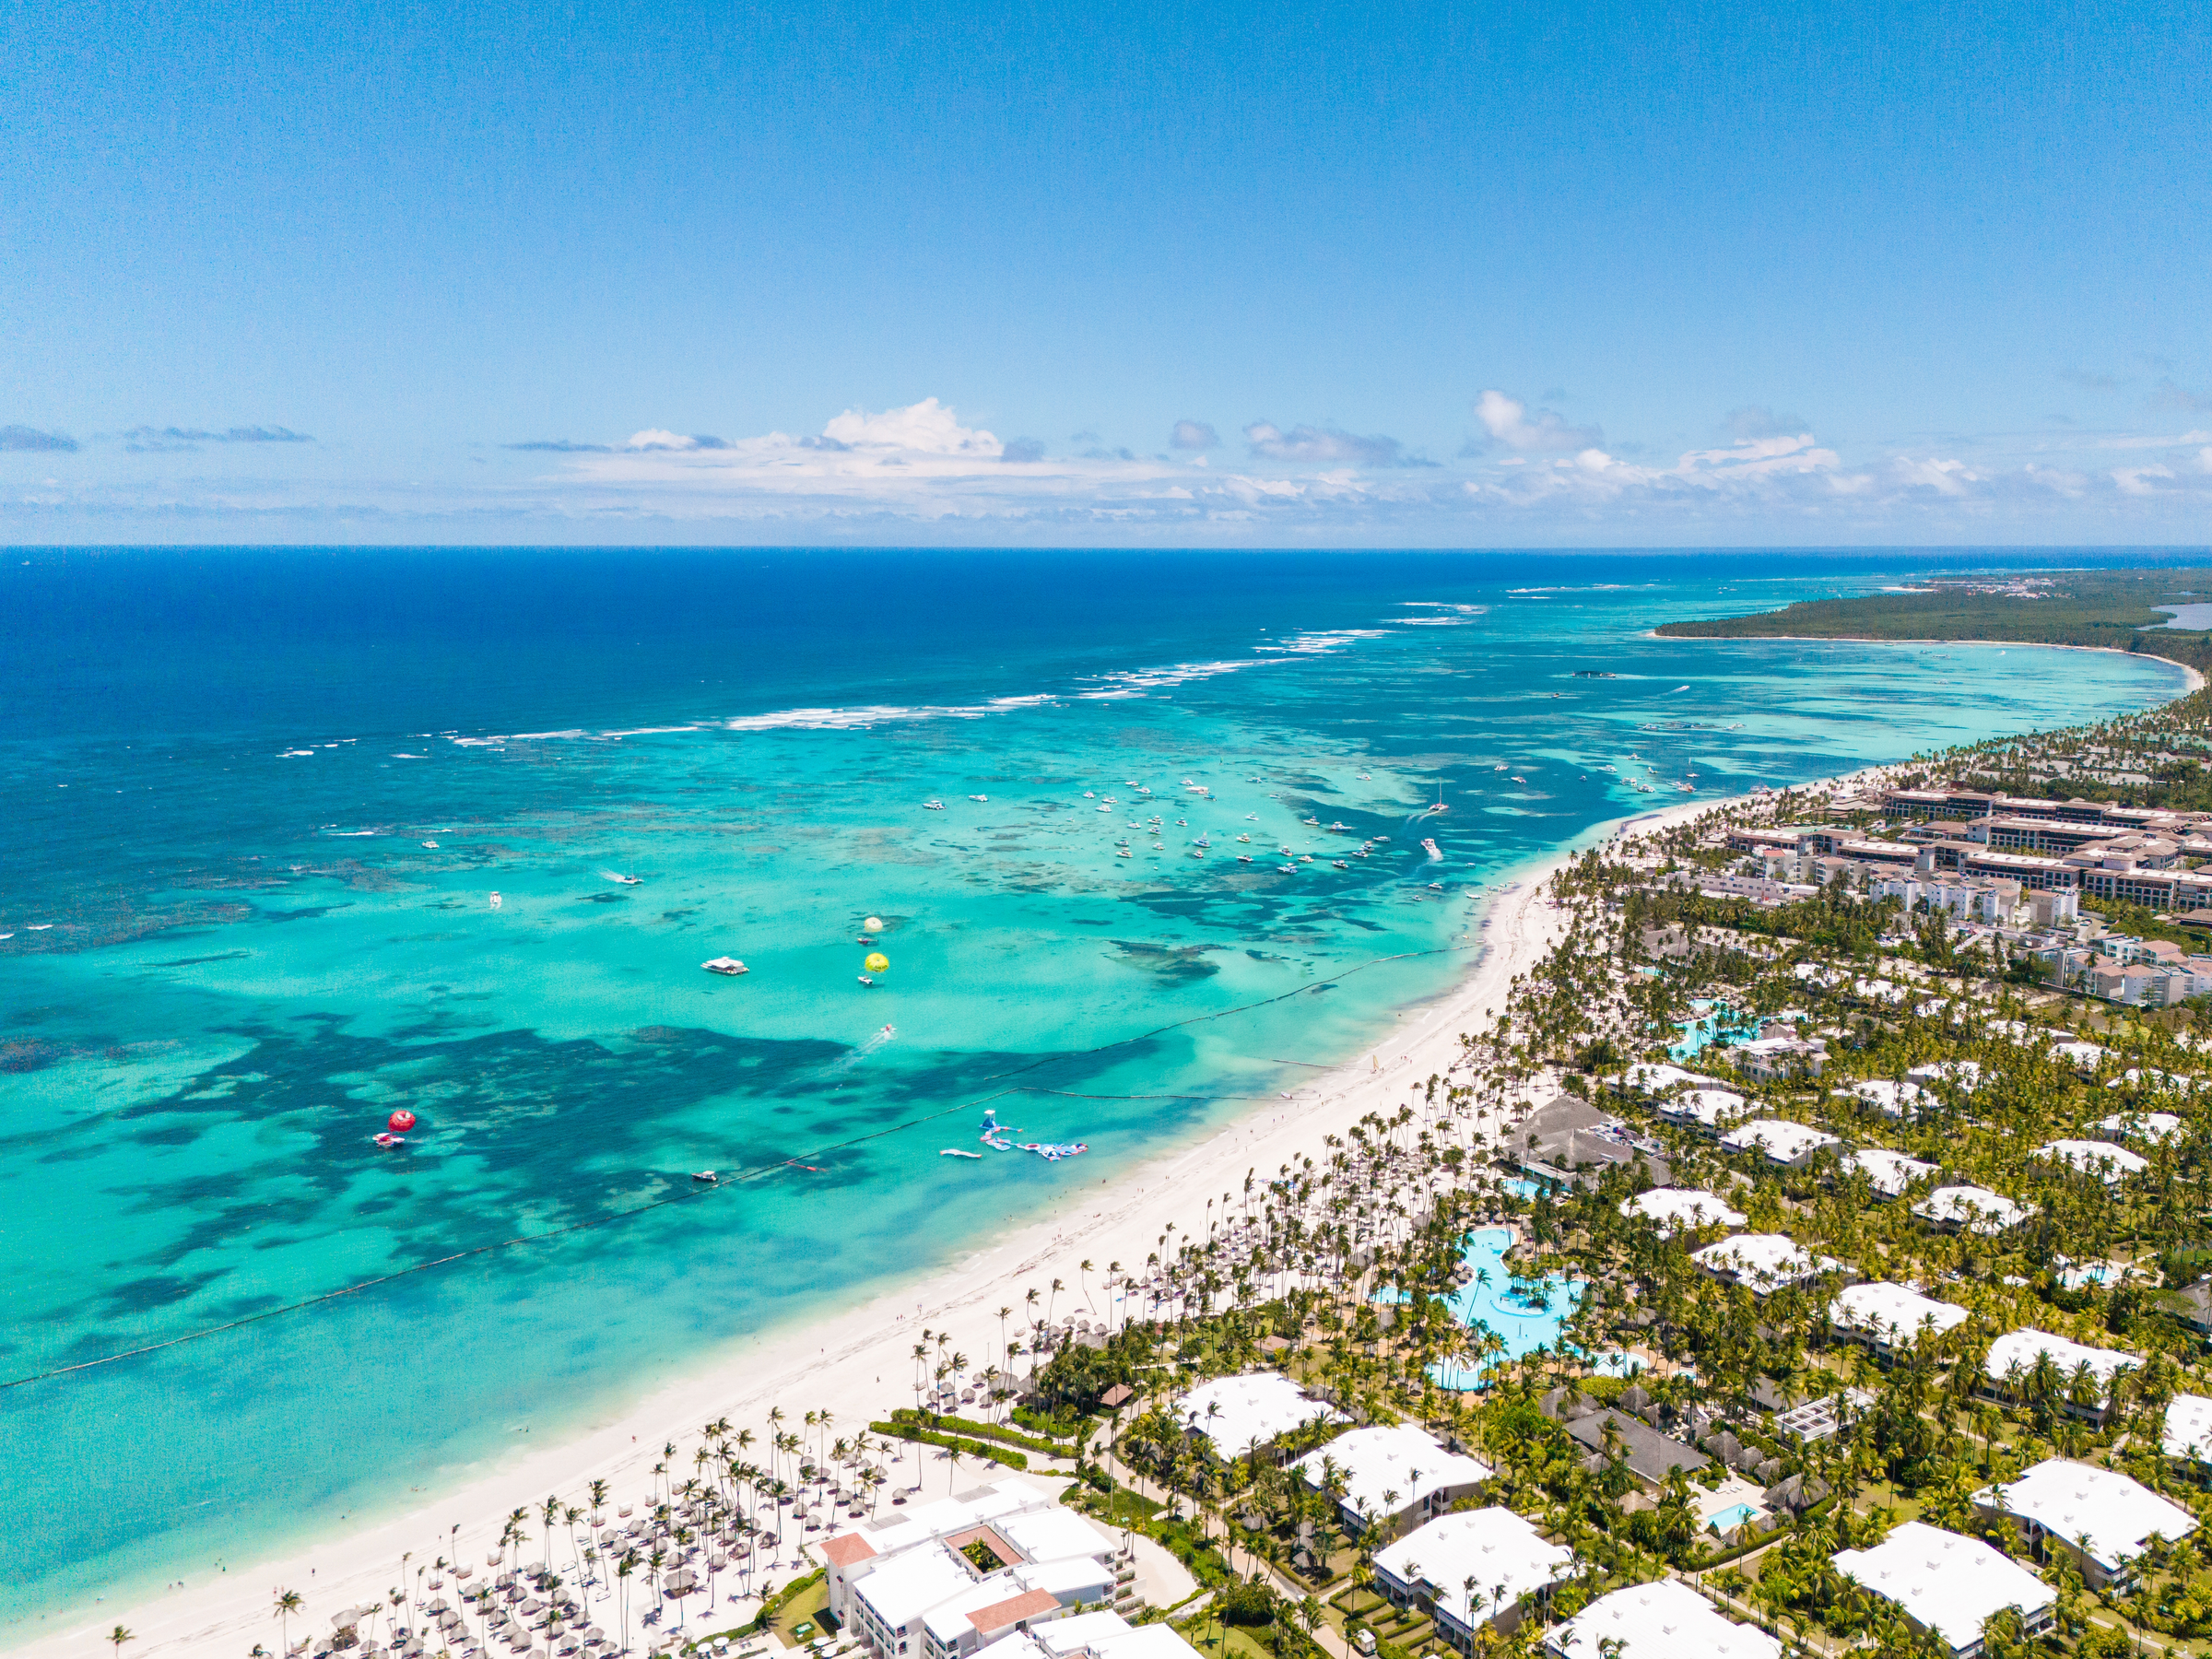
877,961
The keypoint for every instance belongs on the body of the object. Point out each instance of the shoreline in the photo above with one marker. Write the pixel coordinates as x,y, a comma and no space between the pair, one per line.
2194,681
856,1361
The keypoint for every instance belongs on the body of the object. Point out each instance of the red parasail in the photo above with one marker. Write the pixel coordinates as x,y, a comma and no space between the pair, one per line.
401,1121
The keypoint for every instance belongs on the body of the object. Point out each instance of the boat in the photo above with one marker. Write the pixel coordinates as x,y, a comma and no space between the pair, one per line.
978,797
706,1178
960,1152
1244,858
865,980
433,845
1106,808
388,1140
933,805
1342,865
1287,869
1197,854
1244,838
725,964
1440,805
1517,778
1202,842
1430,847
618,876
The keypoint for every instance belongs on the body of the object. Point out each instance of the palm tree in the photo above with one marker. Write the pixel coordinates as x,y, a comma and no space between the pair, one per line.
118,1636
288,1602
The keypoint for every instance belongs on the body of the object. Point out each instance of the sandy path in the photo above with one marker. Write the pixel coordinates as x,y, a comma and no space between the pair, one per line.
859,1363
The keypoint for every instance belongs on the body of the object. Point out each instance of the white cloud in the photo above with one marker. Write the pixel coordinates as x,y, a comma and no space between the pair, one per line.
1510,421
927,428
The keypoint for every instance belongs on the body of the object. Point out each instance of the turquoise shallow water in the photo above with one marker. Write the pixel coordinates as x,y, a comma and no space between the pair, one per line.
231,955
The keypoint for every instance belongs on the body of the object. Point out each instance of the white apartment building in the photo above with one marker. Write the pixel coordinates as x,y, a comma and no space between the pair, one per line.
2101,1517
1480,1568
1391,1476
1948,1584
1664,1619
948,1577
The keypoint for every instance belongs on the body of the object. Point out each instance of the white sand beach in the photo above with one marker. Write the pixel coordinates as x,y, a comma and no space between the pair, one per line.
858,1363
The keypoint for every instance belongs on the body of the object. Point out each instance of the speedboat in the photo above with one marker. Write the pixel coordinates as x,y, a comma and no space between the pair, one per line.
725,964
978,797
433,845
957,1152
387,1140
1244,838
933,805
865,980
1341,864
1430,847
1124,852
706,1178
1244,858
1287,869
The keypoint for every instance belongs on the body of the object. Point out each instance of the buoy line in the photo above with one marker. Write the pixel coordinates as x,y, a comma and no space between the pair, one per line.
757,1172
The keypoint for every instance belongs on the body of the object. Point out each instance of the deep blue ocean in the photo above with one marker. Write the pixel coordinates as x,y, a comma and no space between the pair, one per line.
257,804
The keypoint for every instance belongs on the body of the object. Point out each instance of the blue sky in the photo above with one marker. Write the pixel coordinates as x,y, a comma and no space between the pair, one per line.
1292,275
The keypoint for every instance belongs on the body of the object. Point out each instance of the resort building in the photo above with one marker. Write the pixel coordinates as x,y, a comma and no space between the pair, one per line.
951,1577
1707,1111
1664,1620
1389,1478
1481,1568
1650,1455
2078,1380
1965,1076
1970,1209
1763,1263
1792,1145
1888,1173
2155,1127
1891,1099
2188,1429
2100,1517
1232,1417
1947,1586
1677,1209
1569,1142
1100,1635
1889,1318
2102,1158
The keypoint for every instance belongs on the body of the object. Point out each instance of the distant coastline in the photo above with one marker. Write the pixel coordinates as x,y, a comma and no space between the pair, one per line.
2196,676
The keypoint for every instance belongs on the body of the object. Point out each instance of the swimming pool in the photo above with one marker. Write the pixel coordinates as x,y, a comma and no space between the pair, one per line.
1729,1519
1524,1323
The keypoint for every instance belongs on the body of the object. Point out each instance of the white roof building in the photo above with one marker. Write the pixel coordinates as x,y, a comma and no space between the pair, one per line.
1965,1076
2189,1428
1762,1261
1656,1077
1675,1209
1889,1173
2022,1350
1948,1584
1782,1141
1234,1414
1390,1471
1971,1209
1100,1635
1664,1620
1705,1109
1893,1100
1889,1315
2102,1515
2113,1164
1506,1556
2153,1126
2083,1056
